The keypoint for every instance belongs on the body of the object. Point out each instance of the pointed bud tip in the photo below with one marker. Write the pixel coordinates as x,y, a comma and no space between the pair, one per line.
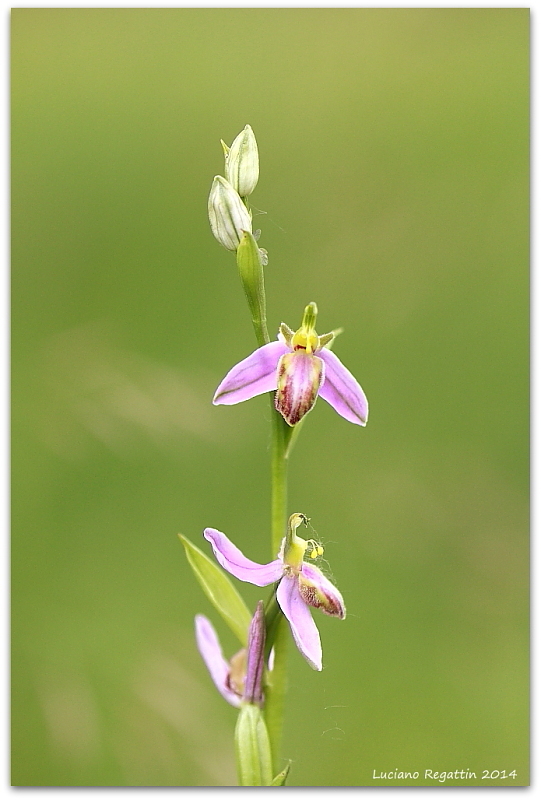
242,162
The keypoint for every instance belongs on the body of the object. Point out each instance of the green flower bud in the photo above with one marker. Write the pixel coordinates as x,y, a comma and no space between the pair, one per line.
242,163
228,215
252,747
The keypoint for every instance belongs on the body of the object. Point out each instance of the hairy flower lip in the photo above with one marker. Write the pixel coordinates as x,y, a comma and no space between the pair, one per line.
260,373
288,594
299,378
322,593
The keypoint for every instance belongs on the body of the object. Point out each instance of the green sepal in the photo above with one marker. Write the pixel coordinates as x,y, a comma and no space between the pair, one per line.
219,590
281,778
251,274
252,747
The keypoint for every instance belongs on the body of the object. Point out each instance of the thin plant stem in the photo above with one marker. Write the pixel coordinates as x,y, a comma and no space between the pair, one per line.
275,691
275,696
276,628
280,440
251,273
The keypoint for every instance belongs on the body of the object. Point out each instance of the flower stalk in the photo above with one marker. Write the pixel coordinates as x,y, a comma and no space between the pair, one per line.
295,370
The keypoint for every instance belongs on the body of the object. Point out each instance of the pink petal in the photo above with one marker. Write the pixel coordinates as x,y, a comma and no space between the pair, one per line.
341,390
231,559
300,375
319,592
303,627
254,375
211,652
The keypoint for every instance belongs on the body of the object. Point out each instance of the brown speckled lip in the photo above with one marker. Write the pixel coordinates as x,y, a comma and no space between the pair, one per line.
299,378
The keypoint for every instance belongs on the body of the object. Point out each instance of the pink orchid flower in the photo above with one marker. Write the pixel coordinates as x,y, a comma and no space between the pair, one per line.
300,366
241,678
300,585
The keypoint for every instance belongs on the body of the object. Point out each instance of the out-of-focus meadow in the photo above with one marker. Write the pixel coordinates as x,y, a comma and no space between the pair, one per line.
394,193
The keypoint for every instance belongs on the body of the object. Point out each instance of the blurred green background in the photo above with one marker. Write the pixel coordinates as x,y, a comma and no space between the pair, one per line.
394,193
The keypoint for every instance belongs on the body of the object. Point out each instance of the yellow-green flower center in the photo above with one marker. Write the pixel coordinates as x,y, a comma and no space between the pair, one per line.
306,337
294,552
305,340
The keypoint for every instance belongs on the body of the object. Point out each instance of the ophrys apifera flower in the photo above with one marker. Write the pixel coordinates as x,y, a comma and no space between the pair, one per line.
300,584
299,366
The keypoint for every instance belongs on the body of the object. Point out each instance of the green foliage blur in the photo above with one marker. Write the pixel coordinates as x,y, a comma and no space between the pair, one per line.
394,193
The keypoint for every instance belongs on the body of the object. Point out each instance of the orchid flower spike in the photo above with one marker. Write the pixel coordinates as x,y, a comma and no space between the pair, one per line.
300,584
300,366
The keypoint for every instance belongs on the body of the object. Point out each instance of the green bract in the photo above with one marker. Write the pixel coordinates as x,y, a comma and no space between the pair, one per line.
219,590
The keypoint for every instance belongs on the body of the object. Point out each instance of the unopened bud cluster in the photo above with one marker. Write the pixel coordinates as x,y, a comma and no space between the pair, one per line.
228,212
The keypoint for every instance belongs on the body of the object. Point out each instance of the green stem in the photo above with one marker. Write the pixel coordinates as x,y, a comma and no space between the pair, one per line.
275,692
251,272
276,628
280,440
